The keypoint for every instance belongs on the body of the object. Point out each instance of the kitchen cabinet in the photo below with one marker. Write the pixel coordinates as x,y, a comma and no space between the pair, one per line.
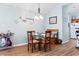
76,20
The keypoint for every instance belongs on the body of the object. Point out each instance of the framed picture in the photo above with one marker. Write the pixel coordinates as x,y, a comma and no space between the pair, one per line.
53,20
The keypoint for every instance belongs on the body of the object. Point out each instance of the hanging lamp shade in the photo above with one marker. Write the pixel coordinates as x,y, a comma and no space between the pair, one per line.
38,16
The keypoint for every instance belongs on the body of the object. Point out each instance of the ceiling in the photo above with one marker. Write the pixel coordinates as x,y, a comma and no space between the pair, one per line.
73,8
32,7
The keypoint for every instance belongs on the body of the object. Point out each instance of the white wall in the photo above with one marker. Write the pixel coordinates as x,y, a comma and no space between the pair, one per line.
66,21
69,11
9,20
56,11
73,10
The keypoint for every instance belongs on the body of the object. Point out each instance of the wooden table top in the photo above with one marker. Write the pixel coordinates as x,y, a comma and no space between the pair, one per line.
53,30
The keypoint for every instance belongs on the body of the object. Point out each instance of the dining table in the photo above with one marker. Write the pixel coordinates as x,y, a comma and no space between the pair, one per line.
39,37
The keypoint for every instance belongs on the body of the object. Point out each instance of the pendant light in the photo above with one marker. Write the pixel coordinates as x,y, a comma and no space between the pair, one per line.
38,16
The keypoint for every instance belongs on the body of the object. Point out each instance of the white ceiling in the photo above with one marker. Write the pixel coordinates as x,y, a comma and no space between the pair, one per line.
32,7
73,8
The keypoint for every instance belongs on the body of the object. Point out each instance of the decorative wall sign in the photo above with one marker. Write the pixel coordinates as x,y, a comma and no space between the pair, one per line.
53,20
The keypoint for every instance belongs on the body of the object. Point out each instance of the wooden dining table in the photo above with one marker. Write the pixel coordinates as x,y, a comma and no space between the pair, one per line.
39,37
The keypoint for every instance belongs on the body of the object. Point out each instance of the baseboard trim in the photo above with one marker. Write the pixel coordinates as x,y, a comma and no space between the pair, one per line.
20,44
27,43
65,42
17,45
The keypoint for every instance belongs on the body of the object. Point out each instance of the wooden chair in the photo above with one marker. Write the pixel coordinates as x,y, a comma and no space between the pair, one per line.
54,36
47,41
31,41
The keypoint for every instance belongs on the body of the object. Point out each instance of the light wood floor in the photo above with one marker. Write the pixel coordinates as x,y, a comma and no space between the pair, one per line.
67,49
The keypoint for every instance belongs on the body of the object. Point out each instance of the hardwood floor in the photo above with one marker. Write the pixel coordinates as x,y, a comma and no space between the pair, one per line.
67,49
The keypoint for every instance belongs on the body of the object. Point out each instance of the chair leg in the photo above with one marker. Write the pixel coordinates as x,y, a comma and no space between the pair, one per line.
32,48
49,46
35,46
45,47
28,47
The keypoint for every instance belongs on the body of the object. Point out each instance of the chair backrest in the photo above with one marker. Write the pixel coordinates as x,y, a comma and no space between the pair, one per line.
47,35
30,36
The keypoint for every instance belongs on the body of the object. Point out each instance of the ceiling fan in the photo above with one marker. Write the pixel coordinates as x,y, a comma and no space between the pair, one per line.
37,16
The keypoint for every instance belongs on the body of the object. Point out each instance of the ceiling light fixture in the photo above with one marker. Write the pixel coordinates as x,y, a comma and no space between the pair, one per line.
38,16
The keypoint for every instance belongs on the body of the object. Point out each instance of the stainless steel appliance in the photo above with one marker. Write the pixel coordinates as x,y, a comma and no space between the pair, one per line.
77,38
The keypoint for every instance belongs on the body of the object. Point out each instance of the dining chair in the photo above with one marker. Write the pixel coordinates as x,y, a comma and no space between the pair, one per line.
31,41
47,41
